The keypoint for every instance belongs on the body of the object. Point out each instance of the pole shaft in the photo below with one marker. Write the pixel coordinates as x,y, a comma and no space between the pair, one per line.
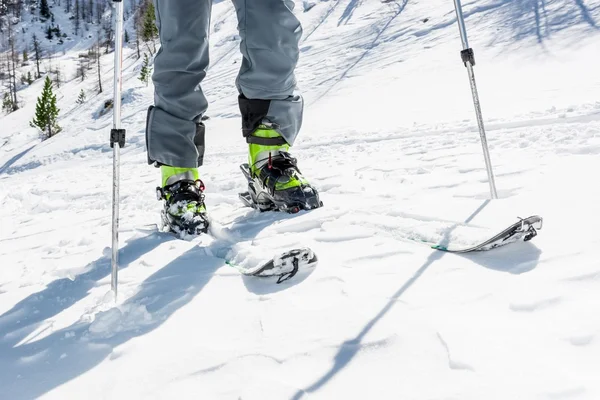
118,7
115,222
118,58
469,63
461,24
486,152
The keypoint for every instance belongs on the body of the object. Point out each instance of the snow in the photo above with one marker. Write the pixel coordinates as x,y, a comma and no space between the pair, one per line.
390,140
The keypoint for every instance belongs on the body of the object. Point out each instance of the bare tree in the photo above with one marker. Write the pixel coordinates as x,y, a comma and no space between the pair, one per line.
77,18
108,28
49,66
83,66
136,23
58,76
18,5
13,59
37,53
98,64
7,98
91,12
137,43
99,11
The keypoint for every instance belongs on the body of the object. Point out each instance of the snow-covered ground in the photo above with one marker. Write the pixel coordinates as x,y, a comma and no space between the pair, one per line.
391,142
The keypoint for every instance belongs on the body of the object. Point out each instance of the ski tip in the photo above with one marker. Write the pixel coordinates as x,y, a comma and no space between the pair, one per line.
439,247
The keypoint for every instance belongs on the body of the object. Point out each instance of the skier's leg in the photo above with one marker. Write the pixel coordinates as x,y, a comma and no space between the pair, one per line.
174,132
270,36
270,105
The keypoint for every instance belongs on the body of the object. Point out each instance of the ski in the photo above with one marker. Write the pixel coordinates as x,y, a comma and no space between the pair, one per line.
282,267
523,230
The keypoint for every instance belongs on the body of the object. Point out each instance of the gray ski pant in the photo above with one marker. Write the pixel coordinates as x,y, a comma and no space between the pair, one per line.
269,33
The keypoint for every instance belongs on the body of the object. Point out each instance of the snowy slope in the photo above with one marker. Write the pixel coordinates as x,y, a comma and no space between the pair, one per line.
390,140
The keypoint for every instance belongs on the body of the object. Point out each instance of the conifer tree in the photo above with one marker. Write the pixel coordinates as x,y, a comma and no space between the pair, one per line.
146,70
44,9
81,99
46,111
149,29
7,102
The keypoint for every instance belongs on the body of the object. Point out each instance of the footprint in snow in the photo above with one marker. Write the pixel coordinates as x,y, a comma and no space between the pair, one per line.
581,340
535,306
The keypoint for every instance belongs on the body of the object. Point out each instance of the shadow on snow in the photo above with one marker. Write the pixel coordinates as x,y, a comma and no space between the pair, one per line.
31,368
492,259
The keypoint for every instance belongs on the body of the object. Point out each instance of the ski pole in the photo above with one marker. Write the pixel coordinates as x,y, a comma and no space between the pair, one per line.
117,135
468,58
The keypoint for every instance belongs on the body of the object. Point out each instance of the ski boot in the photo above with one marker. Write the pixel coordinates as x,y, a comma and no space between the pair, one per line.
274,180
184,211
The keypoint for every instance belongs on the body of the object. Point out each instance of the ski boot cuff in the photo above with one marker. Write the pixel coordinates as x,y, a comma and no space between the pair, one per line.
170,175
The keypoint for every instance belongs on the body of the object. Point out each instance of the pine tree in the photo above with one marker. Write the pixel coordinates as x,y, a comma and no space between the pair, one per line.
46,111
29,78
149,29
7,103
81,99
126,36
25,56
146,70
44,9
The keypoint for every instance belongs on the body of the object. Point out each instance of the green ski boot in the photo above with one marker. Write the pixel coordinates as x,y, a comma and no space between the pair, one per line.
184,210
274,180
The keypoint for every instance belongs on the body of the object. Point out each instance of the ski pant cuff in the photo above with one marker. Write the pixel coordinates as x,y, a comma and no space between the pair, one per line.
173,141
285,116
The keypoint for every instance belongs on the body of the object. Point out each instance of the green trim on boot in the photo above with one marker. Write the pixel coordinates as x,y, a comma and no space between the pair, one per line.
258,158
258,154
168,172
171,175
